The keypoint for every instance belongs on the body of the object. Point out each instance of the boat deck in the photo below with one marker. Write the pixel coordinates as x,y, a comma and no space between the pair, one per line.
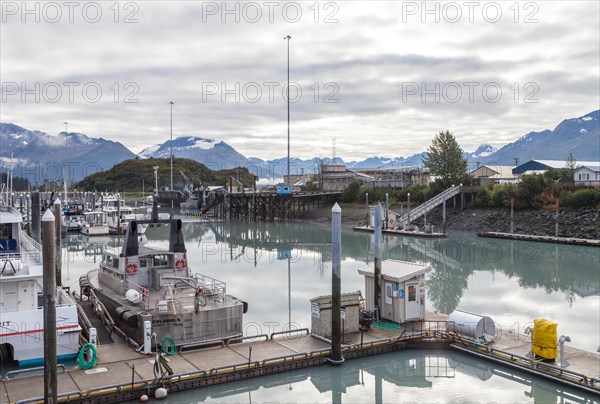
123,374
184,296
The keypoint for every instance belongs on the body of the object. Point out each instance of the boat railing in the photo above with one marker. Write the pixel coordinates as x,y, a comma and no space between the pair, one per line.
213,288
31,250
63,299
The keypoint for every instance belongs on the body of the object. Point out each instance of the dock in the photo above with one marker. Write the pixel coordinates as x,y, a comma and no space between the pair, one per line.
400,232
544,239
124,374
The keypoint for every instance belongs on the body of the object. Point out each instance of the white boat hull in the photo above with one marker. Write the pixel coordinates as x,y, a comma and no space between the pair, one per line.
23,330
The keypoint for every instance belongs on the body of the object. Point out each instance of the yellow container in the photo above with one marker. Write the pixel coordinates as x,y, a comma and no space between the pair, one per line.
544,338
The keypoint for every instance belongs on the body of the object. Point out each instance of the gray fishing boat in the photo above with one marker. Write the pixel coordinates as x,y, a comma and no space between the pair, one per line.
153,296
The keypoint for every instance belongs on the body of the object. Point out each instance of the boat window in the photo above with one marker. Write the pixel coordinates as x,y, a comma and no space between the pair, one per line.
6,231
143,263
160,261
115,262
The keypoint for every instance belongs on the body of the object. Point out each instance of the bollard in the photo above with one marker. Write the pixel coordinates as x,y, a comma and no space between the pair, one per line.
561,349
93,336
147,337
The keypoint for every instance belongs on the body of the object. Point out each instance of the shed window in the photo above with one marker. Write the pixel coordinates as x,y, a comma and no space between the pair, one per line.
412,293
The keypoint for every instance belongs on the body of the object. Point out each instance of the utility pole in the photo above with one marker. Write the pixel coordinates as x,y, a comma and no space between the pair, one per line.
171,153
377,261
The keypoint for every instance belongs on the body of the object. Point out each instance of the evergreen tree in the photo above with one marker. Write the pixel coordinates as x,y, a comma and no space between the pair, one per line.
445,159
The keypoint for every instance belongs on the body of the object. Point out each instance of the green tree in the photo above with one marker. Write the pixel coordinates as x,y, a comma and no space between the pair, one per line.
445,160
351,191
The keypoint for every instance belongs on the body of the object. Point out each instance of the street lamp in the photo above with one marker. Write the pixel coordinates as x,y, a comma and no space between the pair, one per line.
171,149
288,110
66,158
408,217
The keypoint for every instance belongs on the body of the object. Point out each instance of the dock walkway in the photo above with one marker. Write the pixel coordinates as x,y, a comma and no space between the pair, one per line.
124,374
545,239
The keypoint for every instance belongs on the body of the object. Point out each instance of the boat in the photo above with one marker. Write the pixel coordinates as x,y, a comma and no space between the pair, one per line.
118,214
142,286
94,224
73,216
21,311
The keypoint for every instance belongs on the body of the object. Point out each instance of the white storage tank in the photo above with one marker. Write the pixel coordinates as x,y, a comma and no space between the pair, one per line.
481,328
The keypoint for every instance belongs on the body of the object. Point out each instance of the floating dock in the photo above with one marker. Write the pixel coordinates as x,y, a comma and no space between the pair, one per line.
123,374
400,232
544,239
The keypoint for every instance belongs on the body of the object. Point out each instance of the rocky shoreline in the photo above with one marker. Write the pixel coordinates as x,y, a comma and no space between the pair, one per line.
581,223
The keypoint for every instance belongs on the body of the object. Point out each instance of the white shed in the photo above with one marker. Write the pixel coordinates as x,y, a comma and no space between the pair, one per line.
402,290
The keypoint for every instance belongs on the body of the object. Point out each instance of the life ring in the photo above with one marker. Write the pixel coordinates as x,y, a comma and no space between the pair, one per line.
180,264
131,268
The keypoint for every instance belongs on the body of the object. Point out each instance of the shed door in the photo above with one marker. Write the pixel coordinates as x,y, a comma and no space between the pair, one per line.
413,308
388,308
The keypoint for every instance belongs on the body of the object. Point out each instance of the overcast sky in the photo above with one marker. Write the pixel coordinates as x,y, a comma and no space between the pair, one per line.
382,78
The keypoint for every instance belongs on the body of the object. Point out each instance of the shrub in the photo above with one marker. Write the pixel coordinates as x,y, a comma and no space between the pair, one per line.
580,198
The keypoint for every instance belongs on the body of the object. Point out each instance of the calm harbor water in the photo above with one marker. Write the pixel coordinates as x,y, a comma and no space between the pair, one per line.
411,376
278,267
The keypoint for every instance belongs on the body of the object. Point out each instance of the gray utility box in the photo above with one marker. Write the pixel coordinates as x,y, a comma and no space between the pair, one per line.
321,314
402,286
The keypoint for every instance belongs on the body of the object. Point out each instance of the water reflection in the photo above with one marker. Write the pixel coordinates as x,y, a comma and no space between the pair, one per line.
278,267
405,376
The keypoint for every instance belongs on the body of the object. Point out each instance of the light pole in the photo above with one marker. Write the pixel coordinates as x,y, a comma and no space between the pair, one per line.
288,110
408,224
47,176
171,149
66,158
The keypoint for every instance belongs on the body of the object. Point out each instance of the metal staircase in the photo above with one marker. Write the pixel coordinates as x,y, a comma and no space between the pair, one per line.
427,206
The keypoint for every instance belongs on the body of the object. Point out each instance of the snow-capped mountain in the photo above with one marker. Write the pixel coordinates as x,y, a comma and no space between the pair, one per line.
579,136
482,151
214,154
38,155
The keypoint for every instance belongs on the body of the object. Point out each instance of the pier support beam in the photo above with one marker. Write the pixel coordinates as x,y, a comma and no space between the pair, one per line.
512,214
557,217
336,286
49,291
35,216
377,261
57,228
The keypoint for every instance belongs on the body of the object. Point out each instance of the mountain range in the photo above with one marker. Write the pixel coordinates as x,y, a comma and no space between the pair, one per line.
33,151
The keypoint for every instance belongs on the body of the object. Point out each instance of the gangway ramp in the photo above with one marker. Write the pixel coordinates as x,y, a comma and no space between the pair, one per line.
426,207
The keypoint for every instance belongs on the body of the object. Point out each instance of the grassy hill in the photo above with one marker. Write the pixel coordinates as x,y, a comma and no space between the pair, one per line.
131,175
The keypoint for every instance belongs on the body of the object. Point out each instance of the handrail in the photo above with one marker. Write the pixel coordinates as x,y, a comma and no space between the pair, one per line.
428,205
290,332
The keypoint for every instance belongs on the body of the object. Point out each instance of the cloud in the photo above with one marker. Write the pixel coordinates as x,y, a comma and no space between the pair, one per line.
365,60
